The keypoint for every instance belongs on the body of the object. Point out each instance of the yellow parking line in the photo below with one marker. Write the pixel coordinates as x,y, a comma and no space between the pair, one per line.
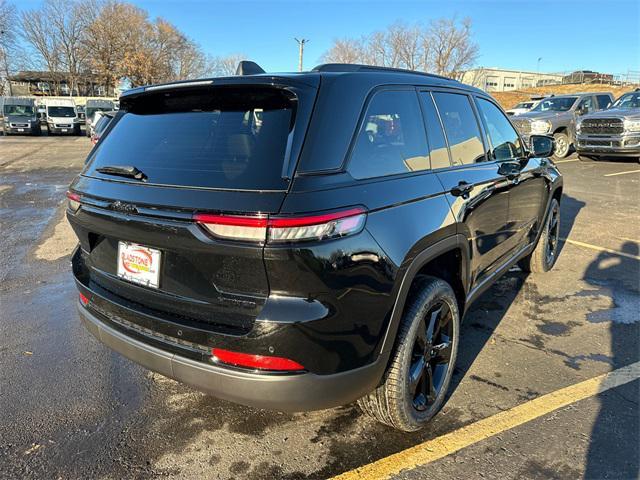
567,161
621,173
440,447
601,249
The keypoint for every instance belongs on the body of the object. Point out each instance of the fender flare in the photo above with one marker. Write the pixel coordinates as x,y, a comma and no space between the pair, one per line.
454,242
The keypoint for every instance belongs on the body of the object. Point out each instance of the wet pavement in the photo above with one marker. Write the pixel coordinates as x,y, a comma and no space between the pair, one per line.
70,408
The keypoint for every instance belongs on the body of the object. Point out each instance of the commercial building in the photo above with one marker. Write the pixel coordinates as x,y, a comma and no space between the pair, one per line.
501,80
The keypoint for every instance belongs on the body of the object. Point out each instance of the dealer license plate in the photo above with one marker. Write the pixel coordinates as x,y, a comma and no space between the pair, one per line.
139,264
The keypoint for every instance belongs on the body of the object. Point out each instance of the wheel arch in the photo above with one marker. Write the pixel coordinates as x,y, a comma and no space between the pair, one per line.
434,260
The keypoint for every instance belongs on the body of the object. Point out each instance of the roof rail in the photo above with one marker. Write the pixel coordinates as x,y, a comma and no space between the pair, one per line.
355,67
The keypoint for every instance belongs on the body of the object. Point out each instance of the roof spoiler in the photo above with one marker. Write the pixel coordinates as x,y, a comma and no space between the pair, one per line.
247,67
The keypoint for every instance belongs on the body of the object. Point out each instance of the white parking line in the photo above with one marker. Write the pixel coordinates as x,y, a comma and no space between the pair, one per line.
601,249
621,173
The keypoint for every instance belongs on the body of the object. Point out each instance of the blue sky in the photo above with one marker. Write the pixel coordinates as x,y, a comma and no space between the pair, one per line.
568,35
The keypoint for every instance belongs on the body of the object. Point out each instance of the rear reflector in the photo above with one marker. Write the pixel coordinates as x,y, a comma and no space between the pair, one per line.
74,201
283,229
259,362
84,300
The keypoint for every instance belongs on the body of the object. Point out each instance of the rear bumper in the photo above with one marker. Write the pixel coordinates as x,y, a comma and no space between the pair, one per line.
283,392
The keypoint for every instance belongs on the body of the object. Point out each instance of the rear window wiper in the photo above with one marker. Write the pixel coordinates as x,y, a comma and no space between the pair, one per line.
123,171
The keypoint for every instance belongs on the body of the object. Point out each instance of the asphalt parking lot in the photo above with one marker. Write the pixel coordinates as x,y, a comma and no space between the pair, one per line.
70,408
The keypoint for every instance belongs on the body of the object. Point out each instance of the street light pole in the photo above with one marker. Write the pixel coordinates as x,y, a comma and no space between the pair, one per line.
301,44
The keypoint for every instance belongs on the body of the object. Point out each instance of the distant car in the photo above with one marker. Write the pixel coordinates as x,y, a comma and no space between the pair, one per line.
93,107
522,107
101,125
557,115
614,131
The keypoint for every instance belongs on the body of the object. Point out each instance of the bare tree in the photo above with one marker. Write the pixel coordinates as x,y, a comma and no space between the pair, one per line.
40,35
8,39
346,50
224,66
451,47
444,47
68,23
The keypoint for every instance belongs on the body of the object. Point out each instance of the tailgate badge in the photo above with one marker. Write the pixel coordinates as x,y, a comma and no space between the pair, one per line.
119,206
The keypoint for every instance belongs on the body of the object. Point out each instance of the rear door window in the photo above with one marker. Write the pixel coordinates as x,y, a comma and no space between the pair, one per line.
391,138
461,127
229,138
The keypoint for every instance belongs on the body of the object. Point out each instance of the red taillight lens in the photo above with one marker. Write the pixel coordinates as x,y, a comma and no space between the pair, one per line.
73,200
284,229
84,300
259,362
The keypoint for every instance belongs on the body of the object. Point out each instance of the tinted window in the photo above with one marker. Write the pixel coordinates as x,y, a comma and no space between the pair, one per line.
225,138
505,142
604,101
438,145
67,112
391,138
461,127
586,104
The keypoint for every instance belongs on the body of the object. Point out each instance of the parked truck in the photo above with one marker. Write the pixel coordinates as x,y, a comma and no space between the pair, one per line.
557,116
611,132
18,115
61,116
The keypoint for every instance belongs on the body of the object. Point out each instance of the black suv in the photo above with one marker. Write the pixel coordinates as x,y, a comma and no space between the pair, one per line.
300,241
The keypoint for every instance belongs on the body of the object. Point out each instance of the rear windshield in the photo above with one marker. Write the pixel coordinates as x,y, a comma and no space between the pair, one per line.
225,137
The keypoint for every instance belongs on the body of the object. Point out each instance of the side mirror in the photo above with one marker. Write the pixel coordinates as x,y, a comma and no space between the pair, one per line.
541,146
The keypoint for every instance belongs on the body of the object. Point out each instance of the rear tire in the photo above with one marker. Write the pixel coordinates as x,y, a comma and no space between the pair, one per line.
416,381
544,256
563,145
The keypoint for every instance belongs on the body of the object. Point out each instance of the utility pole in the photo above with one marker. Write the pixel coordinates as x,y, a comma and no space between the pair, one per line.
301,44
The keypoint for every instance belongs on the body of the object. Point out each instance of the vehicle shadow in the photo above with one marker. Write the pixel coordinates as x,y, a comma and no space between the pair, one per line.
487,312
615,436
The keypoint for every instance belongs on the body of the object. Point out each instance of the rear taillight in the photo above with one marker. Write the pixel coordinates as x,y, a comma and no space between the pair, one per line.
283,229
83,300
258,362
74,201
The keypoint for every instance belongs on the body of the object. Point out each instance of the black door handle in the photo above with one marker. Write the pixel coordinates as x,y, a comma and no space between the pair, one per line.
462,189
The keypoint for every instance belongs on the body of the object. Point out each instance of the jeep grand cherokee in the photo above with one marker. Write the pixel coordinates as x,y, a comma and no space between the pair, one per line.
301,241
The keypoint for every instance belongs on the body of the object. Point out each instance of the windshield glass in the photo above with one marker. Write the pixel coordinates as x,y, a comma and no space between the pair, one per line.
555,104
229,138
26,110
628,100
66,112
524,105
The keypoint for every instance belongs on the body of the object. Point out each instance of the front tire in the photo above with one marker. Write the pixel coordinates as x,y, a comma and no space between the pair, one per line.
544,256
419,373
563,145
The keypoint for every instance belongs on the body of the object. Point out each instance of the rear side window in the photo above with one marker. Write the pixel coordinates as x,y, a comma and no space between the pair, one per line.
505,142
391,138
461,127
604,101
230,138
